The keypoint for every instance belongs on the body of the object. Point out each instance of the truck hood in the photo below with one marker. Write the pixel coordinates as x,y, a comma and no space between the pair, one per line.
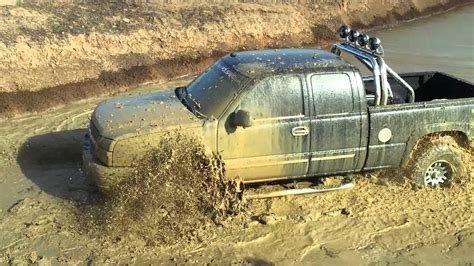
142,113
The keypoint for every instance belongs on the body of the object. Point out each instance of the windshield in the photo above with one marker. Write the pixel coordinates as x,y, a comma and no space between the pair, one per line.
210,93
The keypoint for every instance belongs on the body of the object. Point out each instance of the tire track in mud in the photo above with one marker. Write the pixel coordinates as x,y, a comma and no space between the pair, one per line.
396,218
71,120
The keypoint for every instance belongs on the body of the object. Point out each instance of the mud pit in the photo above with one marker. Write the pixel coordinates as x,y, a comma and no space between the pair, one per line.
43,188
43,193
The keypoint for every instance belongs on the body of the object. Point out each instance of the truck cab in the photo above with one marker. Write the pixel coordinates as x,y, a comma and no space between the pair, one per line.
291,113
306,110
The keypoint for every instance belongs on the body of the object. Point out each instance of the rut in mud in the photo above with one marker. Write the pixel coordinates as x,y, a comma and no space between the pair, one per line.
177,193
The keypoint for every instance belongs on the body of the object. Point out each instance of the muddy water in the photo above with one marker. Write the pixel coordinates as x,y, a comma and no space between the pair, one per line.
48,141
40,158
443,42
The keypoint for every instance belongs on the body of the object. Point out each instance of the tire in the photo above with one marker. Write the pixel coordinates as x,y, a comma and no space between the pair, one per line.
437,162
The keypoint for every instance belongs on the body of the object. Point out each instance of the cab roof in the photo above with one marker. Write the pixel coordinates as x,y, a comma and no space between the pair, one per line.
292,60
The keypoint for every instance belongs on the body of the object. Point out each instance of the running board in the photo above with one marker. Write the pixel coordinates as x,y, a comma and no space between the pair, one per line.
297,191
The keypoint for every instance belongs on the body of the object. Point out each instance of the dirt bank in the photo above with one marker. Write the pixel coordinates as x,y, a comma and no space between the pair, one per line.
55,54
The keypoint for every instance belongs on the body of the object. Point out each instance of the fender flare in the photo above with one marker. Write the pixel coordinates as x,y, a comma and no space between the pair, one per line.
442,128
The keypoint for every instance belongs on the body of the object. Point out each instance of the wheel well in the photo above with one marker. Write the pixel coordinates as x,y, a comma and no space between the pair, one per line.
459,137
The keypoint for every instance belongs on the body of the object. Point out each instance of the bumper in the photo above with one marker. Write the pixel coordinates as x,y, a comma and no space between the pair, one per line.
105,177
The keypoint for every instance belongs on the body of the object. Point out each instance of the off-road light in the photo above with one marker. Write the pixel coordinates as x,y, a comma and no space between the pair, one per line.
105,144
344,31
353,36
363,40
374,43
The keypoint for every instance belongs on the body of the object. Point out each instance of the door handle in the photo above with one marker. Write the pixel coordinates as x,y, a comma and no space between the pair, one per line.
299,131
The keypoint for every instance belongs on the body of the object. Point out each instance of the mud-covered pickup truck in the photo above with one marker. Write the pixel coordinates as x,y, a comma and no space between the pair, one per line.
291,113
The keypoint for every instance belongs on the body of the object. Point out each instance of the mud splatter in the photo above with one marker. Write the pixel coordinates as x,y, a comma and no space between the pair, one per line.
176,194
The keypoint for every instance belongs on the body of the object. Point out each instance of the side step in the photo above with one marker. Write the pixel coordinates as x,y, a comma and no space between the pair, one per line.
317,189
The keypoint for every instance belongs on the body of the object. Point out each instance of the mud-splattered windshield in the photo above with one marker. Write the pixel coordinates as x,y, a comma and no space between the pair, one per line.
211,92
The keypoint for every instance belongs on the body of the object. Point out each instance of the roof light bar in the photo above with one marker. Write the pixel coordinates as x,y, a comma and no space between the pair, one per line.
369,51
361,40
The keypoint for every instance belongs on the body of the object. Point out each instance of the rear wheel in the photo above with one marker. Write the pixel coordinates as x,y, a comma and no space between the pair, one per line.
437,162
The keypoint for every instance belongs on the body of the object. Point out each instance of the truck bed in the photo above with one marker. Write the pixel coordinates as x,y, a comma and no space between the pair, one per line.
428,86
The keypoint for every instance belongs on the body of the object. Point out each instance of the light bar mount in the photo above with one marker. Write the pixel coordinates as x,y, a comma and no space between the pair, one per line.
373,59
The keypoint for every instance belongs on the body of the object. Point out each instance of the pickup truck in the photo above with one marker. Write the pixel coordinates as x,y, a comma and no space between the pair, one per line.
293,113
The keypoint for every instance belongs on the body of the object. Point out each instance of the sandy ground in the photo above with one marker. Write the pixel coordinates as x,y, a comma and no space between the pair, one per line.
43,193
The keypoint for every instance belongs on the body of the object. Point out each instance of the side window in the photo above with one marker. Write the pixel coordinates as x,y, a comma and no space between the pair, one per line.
276,96
332,93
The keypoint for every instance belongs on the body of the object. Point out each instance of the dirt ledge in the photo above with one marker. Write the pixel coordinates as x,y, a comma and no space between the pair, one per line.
54,54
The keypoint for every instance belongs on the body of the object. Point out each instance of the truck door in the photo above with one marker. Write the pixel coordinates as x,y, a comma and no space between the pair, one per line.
336,124
276,145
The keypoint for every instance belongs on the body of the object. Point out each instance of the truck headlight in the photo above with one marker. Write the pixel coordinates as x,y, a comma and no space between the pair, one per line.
106,144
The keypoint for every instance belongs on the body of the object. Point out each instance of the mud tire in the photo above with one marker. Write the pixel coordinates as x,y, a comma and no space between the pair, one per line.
442,149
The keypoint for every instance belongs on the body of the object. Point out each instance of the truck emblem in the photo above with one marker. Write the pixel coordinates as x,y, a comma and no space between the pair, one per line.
385,135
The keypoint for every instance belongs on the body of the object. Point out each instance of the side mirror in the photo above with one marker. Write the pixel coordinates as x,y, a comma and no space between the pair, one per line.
242,118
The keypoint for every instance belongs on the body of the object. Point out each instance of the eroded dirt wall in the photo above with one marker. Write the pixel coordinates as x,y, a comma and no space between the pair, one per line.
52,53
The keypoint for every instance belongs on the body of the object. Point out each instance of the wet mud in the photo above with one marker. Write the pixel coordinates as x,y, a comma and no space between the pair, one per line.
110,83
50,210
52,213
177,194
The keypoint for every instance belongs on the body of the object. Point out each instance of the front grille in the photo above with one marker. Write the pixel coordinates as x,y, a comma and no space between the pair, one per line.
101,155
